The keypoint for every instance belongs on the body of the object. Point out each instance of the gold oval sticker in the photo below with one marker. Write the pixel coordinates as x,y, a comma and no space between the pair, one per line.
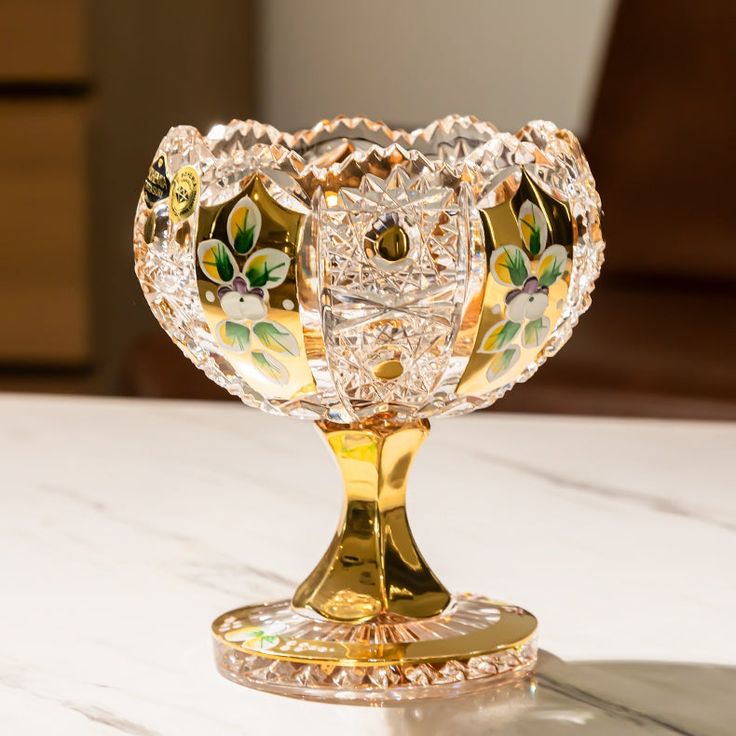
184,193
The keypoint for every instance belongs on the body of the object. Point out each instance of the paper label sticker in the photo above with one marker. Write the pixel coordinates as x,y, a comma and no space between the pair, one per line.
184,193
156,186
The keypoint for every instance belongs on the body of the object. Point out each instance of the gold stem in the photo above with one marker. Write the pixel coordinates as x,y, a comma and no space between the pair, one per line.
373,565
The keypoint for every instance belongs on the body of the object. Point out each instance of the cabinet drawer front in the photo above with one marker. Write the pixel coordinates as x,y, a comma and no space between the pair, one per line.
42,40
44,291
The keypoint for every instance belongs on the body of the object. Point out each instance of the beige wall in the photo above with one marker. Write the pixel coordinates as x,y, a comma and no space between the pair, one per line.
505,61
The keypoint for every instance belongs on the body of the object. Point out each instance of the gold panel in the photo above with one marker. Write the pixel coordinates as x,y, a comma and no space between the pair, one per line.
44,282
508,340
248,290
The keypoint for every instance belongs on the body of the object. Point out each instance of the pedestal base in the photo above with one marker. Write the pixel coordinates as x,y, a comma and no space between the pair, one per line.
474,643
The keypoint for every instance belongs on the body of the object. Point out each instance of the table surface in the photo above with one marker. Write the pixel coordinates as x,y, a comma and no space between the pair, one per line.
126,526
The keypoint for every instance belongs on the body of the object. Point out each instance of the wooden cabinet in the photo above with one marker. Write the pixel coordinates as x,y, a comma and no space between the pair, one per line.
42,41
44,310
44,287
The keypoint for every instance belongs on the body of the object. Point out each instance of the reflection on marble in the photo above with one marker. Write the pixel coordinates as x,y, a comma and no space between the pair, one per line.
126,526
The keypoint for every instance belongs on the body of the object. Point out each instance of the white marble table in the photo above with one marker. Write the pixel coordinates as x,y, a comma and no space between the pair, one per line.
126,526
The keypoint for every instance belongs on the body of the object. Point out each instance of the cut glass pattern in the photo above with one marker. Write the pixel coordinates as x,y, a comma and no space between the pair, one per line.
407,311
245,652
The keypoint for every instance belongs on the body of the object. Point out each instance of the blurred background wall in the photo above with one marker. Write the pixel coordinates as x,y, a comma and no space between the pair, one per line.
87,89
411,62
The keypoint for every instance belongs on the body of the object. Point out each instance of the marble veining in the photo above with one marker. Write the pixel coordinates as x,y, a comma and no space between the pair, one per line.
570,483
121,538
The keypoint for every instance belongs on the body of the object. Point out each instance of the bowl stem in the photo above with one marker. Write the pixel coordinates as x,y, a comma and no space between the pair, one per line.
373,566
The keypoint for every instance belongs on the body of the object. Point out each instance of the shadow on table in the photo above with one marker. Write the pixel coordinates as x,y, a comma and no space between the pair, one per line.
587,698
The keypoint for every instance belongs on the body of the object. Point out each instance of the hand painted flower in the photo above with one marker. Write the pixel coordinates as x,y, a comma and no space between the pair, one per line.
243,293
528,302
528,296
511,267
239,302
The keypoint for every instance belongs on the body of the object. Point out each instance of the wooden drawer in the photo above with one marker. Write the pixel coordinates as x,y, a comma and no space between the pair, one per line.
42,40
44,289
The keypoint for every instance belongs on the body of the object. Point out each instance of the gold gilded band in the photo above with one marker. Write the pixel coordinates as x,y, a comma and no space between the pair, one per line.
513,629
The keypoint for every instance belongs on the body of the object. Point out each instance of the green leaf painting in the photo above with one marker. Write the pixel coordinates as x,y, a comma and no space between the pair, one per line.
270,367
244,225
498,336
535,332
534,234
501,362
533,227
266,268
222,263
243,241
550,275
506,359
264,639
515,264
276,337
238,334
216,261
551,265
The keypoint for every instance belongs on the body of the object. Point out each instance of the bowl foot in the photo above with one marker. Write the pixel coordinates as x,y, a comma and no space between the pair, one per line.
474,643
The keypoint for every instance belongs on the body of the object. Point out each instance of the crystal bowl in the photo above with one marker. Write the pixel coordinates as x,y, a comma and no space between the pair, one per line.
352,270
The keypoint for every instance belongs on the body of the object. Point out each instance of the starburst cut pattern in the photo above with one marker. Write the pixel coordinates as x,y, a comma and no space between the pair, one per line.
411,309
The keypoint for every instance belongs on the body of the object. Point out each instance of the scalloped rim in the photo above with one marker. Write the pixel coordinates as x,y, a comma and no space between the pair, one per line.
445,130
